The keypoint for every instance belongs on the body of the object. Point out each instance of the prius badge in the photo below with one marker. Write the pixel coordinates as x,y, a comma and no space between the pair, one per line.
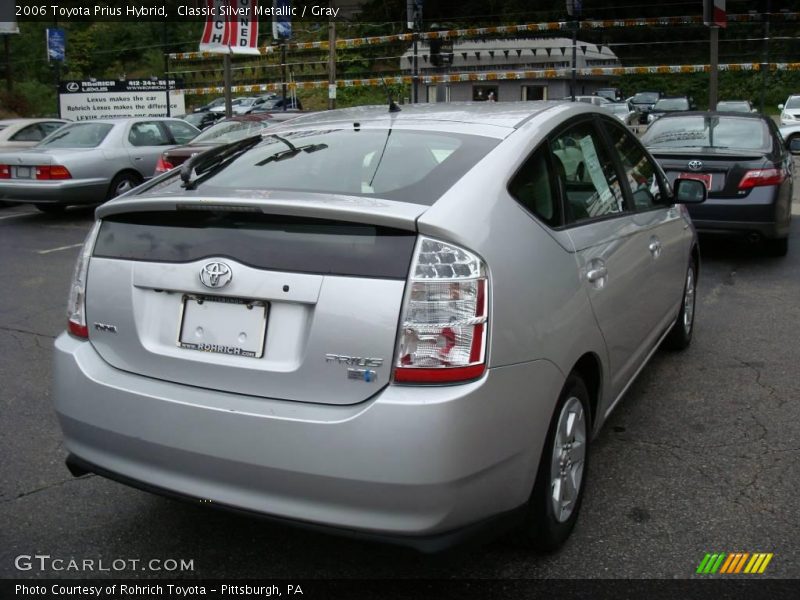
216,275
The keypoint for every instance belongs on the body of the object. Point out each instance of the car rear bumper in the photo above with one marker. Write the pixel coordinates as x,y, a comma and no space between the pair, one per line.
410,465
760,211
73,191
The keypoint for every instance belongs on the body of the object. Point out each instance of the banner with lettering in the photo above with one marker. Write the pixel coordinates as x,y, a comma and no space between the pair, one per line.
243,24
216,33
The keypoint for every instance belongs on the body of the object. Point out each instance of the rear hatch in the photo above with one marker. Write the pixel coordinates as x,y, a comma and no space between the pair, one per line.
721,171
293,299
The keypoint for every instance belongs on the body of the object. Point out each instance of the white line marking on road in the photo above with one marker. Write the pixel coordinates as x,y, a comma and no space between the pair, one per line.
25,214
59,249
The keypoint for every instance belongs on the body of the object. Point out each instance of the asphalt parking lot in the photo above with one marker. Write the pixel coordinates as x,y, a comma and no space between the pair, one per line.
701,456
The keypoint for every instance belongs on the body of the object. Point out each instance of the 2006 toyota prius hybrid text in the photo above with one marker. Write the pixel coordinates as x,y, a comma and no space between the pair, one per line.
401,325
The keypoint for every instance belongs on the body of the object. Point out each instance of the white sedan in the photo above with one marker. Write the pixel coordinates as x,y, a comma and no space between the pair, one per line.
25,133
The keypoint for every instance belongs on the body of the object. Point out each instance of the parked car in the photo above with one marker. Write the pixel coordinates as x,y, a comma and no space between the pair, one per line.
667,105
215,103
643,102
220,108
346,323
224,132
790,132
17,134
596,100
276,104
202,120
735,106
89,162
624,111
790,110
613,94
745,165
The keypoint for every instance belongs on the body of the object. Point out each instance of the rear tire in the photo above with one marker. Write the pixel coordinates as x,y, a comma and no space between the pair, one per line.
557,494
680,336
51,209
777,247
123,182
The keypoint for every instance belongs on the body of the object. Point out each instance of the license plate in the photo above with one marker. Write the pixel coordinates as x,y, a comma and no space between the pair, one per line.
223,325
22,172
704,177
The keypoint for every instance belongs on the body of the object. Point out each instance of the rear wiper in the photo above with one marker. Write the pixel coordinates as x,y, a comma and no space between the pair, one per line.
291,152
207,163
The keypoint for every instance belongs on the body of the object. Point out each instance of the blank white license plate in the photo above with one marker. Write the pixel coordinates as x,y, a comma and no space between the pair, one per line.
23,172
223,325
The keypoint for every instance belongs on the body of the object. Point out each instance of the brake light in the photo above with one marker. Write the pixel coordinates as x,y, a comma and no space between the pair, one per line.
5,172
444,327
76,307
163,165
760,177
52,172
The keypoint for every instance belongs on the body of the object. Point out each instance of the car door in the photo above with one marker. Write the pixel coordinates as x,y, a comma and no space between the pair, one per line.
604,231
146,141
662,229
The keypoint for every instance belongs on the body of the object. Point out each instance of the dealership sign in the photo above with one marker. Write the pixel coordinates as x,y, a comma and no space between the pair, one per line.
93,99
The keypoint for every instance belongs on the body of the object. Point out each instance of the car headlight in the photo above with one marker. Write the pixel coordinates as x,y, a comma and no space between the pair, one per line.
787,117
650,118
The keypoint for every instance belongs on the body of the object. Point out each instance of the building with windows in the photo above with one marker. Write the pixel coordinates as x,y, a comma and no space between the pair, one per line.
478,59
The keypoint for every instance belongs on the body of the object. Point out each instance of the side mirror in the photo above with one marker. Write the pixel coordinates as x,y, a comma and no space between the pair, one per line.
780,106
794,145
689,191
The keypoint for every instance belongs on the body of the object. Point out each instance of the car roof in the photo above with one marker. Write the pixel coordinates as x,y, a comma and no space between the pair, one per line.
502,114
715,113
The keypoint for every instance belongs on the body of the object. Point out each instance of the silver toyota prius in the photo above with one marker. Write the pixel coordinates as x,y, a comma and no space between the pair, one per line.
405,325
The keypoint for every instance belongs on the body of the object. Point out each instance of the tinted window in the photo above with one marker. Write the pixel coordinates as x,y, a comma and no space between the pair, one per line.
704,131
410,166
263,241
181,132
80,135
147,133
230,131
640,170
587,174
536,189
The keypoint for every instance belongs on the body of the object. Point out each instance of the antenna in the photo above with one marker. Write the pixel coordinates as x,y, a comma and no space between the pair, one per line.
393,107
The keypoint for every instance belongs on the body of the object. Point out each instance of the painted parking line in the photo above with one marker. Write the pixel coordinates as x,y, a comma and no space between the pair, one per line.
25,214
59,249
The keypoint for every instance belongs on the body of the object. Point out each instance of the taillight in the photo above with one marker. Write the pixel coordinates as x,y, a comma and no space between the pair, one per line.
5,172
444,328
52,172
76,307
163,165
759,177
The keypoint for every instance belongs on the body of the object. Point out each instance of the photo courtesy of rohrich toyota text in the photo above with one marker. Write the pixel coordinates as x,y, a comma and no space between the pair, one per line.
399,299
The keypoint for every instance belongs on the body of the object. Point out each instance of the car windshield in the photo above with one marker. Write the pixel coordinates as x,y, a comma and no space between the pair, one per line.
79,135
617,109
707,132
735,106
645,97
229,131
793,102
410,166
672,104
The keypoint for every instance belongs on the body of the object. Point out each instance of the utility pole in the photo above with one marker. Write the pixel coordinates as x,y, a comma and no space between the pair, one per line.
713,75
331,60
165,37
283,72
574,10
414,16
7,52
226,77
765,62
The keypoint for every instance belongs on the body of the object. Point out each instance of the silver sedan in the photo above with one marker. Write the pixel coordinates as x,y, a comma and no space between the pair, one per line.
89,162
408,325
17,134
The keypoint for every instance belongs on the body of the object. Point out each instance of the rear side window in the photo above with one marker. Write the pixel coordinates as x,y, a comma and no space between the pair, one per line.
586,173
535,187
31,133
147,134
272,242
181,132
410,166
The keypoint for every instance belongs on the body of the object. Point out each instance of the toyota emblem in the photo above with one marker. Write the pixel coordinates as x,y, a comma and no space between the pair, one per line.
695,165
216,275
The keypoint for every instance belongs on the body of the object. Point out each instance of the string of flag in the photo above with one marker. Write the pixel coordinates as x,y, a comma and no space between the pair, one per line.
494,30
488,76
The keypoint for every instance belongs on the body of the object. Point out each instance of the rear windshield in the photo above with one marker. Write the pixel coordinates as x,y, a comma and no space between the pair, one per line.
645,97
709,132
672,104
272,242
410,166
80,135
230,131
739,106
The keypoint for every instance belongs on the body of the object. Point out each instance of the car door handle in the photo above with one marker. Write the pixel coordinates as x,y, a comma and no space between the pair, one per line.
596,274
655,248
137,158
